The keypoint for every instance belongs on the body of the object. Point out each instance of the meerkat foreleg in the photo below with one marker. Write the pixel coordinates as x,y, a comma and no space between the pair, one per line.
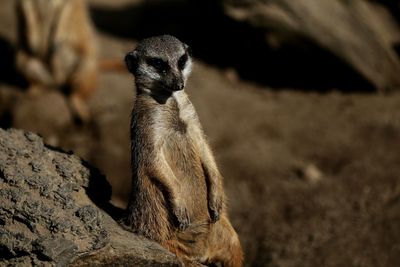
224,244
64,61
214,182
166,177
28,22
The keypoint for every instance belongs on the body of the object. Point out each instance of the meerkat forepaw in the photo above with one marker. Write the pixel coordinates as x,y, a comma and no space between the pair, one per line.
79,108
215,209
214,214
182,216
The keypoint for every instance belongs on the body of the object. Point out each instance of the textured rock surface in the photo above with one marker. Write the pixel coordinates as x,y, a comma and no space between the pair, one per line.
47,218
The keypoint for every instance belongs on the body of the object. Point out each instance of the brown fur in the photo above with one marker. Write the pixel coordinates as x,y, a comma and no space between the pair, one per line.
57,48
177,196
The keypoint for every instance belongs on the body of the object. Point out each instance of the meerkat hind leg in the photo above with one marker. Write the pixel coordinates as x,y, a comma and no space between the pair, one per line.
84,84
220,244
224,245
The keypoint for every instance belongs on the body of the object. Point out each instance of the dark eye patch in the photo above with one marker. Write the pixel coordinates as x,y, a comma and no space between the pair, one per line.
157,63
182,61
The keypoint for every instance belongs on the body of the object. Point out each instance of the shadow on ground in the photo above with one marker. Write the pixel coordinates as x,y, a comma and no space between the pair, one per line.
99,191
8,72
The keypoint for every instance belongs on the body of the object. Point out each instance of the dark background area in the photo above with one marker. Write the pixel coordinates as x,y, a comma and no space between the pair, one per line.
309,146
223,42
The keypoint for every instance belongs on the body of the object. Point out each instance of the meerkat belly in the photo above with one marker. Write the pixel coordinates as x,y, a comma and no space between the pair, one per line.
184,160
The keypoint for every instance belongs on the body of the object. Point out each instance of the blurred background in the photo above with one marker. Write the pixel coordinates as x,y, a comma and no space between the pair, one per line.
299,99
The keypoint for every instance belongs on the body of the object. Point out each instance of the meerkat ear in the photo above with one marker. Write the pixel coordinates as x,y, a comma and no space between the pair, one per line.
131,61
188,49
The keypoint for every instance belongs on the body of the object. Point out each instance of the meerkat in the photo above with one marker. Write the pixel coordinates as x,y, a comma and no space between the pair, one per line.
56,48
177,194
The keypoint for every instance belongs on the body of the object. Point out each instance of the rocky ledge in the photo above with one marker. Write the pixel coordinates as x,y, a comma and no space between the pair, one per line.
53,211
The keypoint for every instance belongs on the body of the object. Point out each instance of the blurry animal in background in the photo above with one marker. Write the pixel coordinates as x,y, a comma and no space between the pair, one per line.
56,48
177,197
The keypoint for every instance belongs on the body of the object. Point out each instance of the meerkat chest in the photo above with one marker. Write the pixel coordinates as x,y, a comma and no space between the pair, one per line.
180,125
39,20
182,116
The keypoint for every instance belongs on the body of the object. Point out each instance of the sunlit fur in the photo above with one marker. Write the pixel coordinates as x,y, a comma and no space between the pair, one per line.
177,194
187,70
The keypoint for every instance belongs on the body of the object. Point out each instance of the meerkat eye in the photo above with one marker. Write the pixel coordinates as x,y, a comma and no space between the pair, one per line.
157,63
182,61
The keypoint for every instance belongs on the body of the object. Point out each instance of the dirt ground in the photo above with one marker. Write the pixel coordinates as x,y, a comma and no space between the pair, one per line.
313,178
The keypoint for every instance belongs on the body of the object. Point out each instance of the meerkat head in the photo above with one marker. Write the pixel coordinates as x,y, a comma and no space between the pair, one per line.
161,65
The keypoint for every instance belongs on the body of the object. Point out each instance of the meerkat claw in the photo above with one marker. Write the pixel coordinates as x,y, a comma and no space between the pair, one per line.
214,216
183,220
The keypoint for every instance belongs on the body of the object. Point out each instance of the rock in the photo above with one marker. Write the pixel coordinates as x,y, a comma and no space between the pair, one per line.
48,217
308,172
361,33
59,250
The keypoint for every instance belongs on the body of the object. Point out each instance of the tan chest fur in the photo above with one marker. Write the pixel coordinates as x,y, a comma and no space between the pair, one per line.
182,151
